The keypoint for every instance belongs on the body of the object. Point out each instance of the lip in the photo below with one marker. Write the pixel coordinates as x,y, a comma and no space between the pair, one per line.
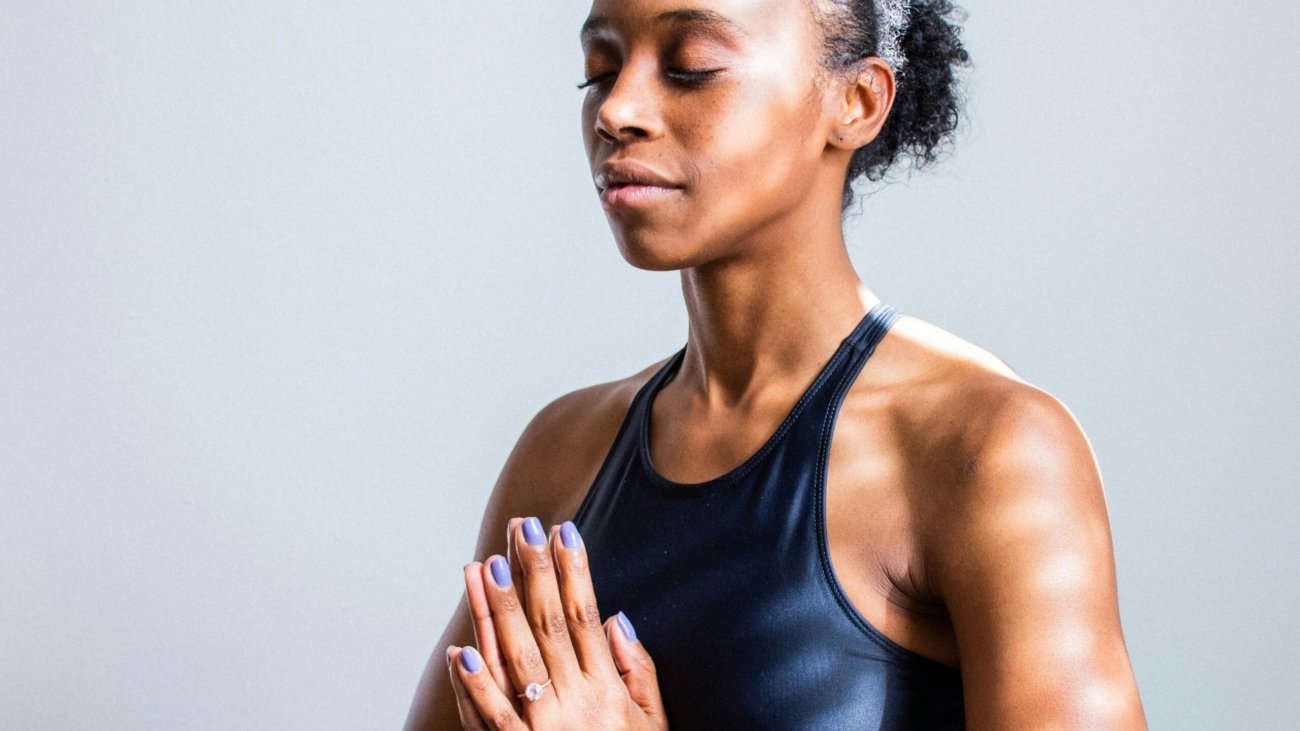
628,184
631,195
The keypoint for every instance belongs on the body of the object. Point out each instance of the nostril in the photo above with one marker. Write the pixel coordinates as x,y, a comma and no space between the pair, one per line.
621,117
621,132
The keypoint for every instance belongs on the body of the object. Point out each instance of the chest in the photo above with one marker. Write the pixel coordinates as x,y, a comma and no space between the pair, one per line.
838,504
730,591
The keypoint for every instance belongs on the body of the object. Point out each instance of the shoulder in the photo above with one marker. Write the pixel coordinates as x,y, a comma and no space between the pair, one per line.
581,425
1015,535
969,413
997,451
558,453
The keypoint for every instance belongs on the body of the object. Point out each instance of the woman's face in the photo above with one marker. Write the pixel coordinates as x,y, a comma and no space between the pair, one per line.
717,104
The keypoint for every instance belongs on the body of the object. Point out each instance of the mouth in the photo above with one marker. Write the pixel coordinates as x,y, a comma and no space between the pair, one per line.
628,184
635,195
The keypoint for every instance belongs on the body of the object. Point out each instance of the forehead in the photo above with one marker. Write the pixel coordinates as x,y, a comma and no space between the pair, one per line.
749,20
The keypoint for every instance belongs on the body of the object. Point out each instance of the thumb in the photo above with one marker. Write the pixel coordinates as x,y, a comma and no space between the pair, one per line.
635,667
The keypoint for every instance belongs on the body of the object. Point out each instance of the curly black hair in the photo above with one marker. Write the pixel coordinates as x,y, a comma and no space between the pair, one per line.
927,101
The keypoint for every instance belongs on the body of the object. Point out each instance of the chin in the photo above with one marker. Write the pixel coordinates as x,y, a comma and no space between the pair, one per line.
657,253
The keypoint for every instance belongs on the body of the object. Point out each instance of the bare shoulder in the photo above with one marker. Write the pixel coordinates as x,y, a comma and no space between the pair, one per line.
560,451
977,421
1014,535
996,450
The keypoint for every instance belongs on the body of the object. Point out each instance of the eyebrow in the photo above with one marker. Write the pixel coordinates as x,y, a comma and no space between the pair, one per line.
710,19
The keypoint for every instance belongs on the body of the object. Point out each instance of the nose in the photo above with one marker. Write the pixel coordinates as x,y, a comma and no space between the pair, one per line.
630,109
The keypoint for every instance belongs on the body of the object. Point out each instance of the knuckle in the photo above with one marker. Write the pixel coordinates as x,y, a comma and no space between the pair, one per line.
585,617
554,625
505,719
538,562
509,604
530,660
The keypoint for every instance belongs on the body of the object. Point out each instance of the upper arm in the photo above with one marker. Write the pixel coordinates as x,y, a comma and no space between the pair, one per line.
551,458
1026,568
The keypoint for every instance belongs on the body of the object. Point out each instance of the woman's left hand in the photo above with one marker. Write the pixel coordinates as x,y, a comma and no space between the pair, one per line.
546,626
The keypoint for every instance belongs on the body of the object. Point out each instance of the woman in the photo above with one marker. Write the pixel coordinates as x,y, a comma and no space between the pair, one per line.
818,513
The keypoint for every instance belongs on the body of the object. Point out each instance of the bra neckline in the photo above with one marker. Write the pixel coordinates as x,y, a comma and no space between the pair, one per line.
847,345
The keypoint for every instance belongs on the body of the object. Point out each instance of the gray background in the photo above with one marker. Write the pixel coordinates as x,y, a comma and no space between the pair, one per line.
280,283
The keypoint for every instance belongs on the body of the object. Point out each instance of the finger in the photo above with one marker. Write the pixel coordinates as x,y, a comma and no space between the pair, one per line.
579,599
543,607
512,553
635,665
524,661
484,694
470,718
485,634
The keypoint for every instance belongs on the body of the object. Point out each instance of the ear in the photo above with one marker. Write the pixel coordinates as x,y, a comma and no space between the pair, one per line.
864,102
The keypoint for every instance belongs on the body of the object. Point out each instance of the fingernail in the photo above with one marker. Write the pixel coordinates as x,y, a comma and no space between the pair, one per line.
569,534
471,660
625,624
533,532
500,572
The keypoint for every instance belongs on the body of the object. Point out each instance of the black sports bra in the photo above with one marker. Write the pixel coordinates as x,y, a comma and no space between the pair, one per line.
729,583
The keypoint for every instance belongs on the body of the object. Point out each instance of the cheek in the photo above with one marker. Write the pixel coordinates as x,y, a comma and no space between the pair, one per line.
759,143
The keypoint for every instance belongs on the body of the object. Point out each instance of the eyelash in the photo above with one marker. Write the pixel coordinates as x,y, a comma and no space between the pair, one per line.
686,78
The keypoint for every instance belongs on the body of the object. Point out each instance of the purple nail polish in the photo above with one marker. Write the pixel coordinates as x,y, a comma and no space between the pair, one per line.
625,624
533,534
500,572
569,534
471,660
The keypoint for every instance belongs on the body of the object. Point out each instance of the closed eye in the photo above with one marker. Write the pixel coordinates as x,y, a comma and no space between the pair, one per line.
692,78
594,80
681,76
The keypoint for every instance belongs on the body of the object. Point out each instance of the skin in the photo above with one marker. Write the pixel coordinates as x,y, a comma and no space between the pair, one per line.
548,627
966,515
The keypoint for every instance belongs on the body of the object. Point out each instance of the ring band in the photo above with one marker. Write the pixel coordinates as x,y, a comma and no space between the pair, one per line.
534,690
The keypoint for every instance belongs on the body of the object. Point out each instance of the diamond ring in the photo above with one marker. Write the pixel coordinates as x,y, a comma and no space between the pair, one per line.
534,690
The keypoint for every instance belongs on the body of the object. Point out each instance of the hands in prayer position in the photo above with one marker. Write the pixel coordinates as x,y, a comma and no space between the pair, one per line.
544,659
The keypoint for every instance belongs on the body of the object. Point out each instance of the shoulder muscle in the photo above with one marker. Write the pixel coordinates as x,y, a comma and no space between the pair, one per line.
1024,563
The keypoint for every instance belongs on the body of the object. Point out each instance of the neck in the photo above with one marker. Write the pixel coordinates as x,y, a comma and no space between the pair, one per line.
771,316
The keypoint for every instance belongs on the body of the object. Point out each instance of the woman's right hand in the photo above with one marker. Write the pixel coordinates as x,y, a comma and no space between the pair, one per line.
546,626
